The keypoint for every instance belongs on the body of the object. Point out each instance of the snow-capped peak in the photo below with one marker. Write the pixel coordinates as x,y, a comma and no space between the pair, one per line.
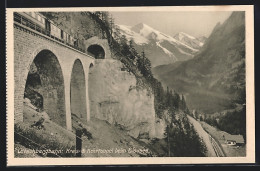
138,39
143,29
152,34
142,34
162,48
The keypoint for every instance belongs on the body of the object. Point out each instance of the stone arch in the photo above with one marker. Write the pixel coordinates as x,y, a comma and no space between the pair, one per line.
78,96
44,85
32,57
99,43
69,67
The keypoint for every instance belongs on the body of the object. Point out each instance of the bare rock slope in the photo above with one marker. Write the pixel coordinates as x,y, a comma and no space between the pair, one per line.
114,97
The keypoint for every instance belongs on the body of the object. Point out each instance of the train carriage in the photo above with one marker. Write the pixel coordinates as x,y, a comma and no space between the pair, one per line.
55,31
35,17
40,23
72,40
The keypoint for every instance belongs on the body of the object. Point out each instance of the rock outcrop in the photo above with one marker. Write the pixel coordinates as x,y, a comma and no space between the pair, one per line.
115,98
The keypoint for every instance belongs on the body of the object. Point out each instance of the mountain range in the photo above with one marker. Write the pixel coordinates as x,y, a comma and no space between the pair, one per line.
161,48
214,79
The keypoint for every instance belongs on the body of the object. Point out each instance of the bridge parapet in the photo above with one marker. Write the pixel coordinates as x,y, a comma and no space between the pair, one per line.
28,25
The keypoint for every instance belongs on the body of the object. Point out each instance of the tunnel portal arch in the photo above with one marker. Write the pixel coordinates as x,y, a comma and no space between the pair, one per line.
98,48
96,51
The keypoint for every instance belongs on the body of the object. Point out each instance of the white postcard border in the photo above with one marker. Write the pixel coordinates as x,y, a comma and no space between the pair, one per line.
250,95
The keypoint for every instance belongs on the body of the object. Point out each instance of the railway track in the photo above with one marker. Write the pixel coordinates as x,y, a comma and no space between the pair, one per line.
217,149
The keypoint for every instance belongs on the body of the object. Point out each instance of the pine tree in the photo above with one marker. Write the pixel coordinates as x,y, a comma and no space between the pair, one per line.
167,97
176,98
117,33
131,44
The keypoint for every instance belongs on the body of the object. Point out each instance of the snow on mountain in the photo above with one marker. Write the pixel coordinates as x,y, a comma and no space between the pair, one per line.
150,33
161,48
182,35
189,40
164,49
138,39
183,52
143,29
167,51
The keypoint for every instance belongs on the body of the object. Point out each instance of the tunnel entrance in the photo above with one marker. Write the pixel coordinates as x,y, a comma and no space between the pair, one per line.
96,51
44,89
78,94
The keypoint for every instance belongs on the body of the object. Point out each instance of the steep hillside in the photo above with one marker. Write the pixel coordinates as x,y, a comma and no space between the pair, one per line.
159,47
104,137
215,78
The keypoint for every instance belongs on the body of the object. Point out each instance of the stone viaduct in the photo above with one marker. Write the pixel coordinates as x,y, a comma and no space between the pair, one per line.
28,44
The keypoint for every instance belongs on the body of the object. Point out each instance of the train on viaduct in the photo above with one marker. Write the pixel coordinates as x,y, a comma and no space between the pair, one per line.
47,60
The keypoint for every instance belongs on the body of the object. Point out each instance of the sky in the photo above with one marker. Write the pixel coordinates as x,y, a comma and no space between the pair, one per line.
195,23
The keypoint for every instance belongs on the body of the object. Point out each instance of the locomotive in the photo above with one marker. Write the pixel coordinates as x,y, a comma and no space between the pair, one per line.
42,24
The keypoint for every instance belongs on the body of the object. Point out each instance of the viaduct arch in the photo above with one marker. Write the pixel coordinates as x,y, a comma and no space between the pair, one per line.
27,45
44,86
78,92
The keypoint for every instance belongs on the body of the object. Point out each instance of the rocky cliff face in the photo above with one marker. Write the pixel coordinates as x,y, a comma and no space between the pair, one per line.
114,97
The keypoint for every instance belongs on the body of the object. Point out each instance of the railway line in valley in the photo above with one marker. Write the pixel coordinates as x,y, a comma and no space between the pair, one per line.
216,147
213,148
